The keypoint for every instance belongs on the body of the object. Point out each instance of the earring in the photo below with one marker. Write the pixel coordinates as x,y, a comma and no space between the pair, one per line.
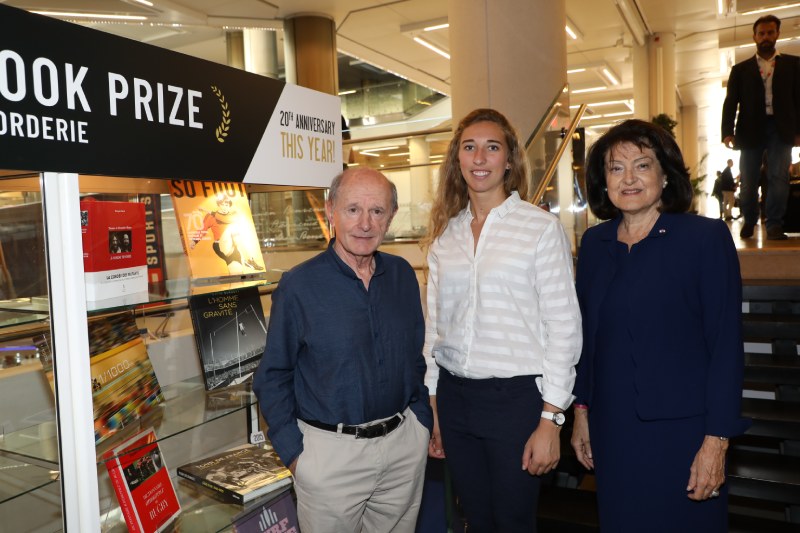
605,189
664,185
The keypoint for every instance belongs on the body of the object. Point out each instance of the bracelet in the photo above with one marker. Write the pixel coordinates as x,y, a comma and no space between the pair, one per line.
580,406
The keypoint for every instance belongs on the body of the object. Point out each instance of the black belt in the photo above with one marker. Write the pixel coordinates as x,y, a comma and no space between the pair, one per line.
378,429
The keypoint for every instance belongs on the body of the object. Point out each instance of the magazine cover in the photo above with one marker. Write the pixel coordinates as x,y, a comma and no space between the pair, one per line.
216,228
239,475
124,384
230,332
142,484
114,250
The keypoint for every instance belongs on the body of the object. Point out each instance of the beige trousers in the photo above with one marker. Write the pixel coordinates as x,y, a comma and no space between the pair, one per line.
344,484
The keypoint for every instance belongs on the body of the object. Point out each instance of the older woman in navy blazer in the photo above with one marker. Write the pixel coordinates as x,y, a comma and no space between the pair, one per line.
659,382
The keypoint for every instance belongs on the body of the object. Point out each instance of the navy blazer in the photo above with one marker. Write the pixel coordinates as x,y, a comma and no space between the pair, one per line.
746,92
684,316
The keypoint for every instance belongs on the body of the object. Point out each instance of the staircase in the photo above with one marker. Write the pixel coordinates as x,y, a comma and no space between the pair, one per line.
763,464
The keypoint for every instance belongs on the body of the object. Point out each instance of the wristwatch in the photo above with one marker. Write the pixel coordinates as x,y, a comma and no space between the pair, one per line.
557,418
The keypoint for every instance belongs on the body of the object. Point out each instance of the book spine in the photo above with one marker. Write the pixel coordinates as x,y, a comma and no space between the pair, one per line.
198,340
221,493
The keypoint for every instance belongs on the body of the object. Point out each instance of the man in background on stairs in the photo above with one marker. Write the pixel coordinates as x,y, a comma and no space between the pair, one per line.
766,91
340,383
727,187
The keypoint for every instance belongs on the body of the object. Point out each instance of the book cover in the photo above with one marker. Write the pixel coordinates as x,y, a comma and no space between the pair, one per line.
124,384
114,251
216,228
239,475
142,484
278,515
230,332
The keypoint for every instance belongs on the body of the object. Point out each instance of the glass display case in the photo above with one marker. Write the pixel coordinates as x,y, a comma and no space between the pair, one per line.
41,284
119,126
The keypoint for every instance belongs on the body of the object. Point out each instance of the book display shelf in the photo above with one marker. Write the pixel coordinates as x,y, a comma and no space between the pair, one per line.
76,126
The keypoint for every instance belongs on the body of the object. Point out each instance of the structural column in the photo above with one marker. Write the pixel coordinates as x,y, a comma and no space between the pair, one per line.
513,59
661,60
310,52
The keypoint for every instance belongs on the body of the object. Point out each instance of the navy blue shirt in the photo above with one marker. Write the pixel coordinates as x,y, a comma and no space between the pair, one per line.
339,353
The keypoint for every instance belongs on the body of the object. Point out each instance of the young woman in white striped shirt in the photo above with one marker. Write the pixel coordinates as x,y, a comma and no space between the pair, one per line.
503,328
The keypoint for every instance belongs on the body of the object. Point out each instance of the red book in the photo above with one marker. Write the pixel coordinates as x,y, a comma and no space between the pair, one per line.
142,484
114,249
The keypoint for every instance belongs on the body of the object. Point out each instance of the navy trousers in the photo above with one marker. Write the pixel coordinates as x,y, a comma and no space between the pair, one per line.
485,424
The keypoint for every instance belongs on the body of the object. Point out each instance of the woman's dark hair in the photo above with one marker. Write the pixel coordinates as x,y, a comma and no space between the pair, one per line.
675,198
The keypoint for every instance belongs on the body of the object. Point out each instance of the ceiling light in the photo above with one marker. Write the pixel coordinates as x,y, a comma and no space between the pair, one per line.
67,14
576,70
399,154
144,3
430,46
767,9
351,91
571,33
589,90
371,151
572,30
619,114
610,75
436,27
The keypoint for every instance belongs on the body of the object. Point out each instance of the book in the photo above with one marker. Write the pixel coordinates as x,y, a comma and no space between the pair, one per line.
230,333
276,515
239,475
114,250
216,228
124,384
142,484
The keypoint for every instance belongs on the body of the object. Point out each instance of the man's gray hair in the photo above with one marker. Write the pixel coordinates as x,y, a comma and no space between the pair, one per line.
337,183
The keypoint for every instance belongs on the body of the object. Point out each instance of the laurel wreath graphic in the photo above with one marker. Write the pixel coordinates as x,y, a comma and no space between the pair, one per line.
225,125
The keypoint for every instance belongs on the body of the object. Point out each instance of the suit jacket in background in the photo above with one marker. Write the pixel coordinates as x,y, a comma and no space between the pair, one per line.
747,93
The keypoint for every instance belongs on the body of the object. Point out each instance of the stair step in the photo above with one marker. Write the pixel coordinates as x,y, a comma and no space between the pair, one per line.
772,369
771,292
764,476
760,328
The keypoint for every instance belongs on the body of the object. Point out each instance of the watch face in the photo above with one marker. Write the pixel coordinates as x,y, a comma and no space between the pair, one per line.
559,419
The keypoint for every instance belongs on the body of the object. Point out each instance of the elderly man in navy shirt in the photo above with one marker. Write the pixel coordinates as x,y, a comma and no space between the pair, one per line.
341,380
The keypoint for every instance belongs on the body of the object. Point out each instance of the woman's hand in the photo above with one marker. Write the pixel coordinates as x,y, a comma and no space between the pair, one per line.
707,473
580,438
435,447
542,451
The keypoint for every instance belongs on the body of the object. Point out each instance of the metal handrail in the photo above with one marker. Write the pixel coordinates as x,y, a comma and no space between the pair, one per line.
551,170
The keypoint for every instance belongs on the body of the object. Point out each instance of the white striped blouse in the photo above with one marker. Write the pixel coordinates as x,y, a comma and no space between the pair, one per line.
509,308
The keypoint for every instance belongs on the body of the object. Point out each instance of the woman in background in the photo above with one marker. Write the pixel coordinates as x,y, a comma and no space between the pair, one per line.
503,327
659,382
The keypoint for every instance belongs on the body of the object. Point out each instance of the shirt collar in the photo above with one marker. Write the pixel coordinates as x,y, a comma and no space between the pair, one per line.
345,269
760,59
501,210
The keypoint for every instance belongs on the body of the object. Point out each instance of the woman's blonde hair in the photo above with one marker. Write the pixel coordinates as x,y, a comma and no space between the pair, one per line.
451,195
